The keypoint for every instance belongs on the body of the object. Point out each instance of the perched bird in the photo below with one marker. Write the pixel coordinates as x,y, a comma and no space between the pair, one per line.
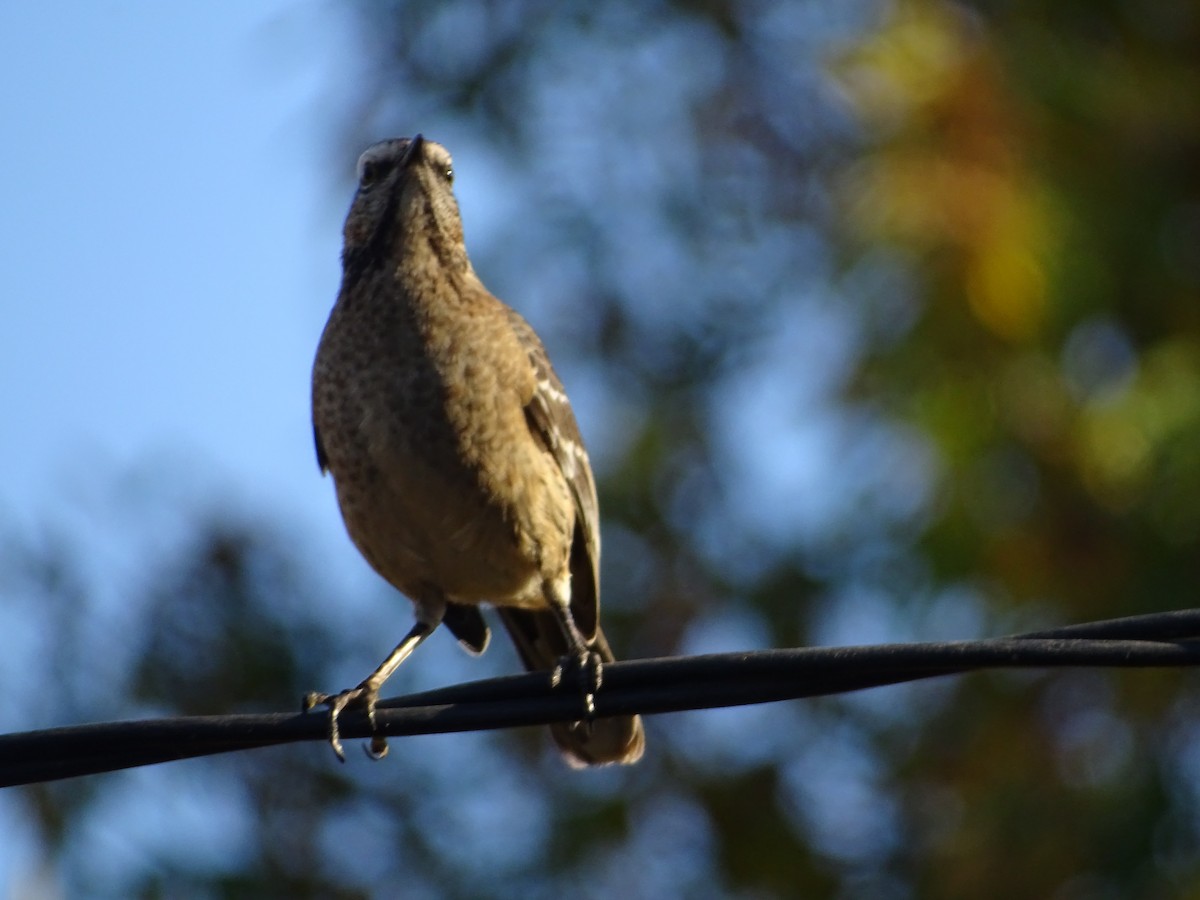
459,467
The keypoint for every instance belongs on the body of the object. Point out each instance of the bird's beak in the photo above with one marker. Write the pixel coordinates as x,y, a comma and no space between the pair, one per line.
412,150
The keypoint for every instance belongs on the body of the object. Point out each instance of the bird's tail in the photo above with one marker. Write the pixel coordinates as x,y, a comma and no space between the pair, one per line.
542,646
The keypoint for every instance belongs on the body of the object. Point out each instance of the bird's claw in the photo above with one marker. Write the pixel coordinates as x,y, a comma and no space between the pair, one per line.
590,670
378,748
364,696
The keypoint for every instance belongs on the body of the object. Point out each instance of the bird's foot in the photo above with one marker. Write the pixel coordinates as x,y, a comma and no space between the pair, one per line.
588,668
365,697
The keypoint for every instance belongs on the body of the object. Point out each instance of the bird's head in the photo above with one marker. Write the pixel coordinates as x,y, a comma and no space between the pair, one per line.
405,207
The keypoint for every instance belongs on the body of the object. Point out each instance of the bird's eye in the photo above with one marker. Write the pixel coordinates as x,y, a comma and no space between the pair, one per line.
370,171
448,174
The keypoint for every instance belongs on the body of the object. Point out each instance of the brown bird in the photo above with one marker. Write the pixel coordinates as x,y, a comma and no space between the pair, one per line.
459,467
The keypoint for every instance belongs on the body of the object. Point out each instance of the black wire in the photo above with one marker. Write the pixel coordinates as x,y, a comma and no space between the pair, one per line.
638,686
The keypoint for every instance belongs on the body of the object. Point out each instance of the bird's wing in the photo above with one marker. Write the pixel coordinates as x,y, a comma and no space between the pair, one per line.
553,425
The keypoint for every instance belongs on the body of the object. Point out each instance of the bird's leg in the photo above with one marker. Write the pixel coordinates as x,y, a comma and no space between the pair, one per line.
366,695
580,655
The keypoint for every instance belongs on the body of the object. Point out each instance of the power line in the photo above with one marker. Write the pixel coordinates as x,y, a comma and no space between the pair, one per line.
1160,640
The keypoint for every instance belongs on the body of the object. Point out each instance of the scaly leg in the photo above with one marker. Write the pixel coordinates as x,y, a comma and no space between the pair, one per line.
580,654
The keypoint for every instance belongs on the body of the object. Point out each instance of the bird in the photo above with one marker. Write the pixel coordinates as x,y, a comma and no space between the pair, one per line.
458,465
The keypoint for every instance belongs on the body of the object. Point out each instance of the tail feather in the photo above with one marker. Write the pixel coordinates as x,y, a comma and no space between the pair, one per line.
541,645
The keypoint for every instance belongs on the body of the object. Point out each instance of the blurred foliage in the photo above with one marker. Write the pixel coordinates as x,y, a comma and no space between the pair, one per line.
883,321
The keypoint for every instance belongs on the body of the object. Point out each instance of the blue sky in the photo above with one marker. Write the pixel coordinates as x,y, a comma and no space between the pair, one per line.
170,233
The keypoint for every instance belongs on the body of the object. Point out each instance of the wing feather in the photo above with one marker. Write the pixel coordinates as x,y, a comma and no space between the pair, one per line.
552,423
